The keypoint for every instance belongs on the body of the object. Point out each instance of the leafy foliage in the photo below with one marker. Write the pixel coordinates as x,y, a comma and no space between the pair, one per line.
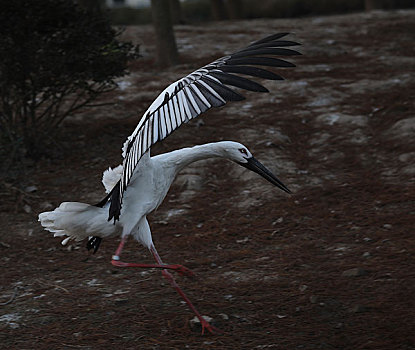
55,58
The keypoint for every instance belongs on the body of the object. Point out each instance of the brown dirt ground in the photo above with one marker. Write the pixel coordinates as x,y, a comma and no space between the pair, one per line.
273,264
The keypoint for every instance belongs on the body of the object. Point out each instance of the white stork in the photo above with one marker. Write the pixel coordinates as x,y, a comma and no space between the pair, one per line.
139,185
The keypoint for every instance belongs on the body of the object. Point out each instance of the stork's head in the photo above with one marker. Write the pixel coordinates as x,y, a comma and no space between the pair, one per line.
240,154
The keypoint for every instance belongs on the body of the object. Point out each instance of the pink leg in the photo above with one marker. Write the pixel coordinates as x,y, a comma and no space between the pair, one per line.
184,271
169,277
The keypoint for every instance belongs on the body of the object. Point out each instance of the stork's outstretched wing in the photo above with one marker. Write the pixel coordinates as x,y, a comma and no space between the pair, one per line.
196,93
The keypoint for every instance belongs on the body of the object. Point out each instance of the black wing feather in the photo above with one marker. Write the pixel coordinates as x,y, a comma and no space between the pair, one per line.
237,81
266,51
223,91
260,61
214,101
252,71
276,43
269,38
201,90
115,206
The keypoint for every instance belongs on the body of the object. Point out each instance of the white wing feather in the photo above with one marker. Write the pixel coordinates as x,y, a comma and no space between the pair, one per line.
110,177
192,95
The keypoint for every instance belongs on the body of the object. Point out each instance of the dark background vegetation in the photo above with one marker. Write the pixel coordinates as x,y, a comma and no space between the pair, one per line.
202,10
55,58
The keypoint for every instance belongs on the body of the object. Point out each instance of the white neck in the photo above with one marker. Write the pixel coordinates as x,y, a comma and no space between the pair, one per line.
181,158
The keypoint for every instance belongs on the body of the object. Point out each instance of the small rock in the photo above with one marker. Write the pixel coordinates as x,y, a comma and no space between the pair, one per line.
224,316
303,287
313,299
355,272
46,205
387,226
403,129
199,123
4,245
240,318
358,309
31,189
278,221
27,208
407,157
43,320
162,222
366,255
343,119
244,240
128,336
120,301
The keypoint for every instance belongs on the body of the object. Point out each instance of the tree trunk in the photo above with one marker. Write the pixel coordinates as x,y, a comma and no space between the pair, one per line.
370,5
176,12
218,10
92,5
167,54
235,9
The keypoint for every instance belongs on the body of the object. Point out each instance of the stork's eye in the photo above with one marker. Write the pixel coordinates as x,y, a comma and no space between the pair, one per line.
243,151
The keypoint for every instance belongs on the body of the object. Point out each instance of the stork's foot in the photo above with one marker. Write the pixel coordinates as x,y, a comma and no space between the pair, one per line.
182,270
211,329
202,323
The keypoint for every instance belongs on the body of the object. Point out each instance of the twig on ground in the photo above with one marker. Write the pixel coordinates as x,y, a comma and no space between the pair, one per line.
51,285
11,298
76,346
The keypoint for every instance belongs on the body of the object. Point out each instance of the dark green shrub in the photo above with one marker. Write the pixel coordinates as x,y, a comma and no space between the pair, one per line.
55,58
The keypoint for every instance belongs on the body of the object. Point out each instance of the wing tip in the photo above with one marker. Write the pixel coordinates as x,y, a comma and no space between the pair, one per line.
268,38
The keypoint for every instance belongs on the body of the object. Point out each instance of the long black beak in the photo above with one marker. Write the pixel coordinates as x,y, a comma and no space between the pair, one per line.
257,167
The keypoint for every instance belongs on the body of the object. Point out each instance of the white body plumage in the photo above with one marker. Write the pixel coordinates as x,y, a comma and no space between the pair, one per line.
147,189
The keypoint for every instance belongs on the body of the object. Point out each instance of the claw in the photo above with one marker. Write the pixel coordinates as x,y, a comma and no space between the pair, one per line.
210,328
202,323
182,270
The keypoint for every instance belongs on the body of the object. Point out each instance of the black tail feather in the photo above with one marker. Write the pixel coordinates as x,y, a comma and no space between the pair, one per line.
94,243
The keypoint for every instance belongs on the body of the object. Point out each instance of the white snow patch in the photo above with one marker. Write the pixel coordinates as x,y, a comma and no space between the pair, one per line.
344,119
123,85
93,283
11,320
175,212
